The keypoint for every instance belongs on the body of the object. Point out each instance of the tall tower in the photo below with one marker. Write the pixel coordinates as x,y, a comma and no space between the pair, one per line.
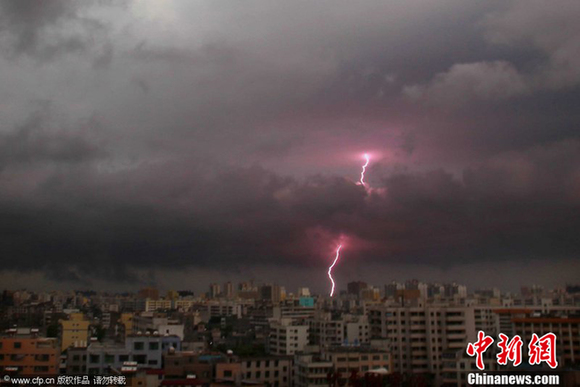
214,290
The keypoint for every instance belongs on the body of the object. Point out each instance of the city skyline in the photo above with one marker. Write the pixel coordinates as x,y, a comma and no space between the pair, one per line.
177,144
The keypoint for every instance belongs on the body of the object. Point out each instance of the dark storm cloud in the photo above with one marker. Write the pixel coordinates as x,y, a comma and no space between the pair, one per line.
220,137
34,141
519,206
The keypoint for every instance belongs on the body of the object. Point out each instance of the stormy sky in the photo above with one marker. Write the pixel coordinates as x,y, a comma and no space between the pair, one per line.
177,143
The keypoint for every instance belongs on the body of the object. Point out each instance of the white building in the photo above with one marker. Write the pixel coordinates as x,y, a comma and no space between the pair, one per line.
148,323
286,337
348,329
218,308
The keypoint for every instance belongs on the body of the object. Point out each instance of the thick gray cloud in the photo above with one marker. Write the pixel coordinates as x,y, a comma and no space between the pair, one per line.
45,30
179,135
36,142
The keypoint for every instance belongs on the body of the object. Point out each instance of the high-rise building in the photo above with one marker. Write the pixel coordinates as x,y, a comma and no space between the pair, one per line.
419,335
151,293
273,293
214,290
355,287
303,292
229,290
370,294
566,329
392,289
172,295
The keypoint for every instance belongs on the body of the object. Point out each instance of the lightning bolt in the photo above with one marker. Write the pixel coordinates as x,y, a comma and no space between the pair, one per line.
364,168
330,269
361,182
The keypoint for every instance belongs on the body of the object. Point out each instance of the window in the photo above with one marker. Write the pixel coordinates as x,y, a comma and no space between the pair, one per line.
17,345
123,358
94,359
138,345
141,359
227,373
153,346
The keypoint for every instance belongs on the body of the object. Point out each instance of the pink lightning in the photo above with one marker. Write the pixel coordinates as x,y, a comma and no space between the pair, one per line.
364,167
330,269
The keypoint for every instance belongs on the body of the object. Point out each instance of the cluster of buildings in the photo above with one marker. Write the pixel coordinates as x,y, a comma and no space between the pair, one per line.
258,334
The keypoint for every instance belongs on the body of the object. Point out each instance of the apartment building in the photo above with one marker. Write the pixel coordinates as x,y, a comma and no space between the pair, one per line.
504,317
144,351
190,365
23,352
287,337
76,360
419,335
345,360
152,305
311,370
567,331
219,308
293,309
271,370
74,331
457,365
346,329
151,323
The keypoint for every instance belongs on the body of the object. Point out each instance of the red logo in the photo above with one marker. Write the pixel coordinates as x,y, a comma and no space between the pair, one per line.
540,349
477,349
511,350
543,349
